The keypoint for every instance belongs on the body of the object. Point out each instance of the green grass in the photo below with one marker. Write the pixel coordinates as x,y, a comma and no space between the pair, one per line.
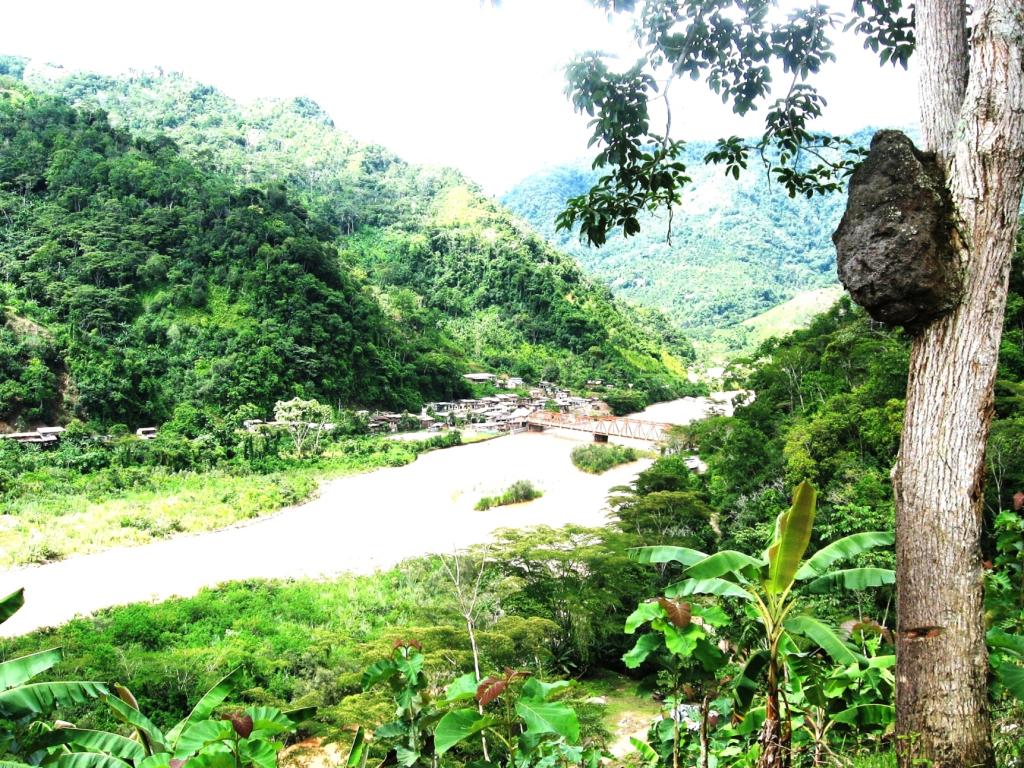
58,513
596,458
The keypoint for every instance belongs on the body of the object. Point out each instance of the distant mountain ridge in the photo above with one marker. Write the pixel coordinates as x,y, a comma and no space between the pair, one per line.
738,247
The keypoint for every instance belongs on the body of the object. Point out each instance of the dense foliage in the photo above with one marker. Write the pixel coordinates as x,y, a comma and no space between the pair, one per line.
597,458
365,270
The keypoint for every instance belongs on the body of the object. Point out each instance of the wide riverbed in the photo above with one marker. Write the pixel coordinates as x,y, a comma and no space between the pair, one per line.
355,524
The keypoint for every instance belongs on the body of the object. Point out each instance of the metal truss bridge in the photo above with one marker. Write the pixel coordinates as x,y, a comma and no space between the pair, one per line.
600,426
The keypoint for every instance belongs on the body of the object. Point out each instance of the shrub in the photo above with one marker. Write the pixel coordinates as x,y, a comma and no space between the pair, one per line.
518,492
596,458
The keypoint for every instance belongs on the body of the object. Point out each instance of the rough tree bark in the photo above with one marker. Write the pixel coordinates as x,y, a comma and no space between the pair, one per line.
972,116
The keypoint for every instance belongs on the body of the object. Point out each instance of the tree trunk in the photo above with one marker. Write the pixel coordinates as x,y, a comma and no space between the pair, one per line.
774,743
975,124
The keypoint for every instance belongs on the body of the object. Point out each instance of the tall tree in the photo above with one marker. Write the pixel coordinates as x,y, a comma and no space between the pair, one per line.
971,87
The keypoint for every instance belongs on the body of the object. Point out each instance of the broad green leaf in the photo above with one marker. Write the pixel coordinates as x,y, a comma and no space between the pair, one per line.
267,722
37,698
726,561
747,684
852,578
843,549
457,725
998,638
1012,678
24,668
89,760
823,636
95,741
752,721
152,737
300,714
644,612
709,655
535,689
378,672
646,751
666,554
197,735
867,714
259,752
719,587
549,717
213,760
11,604
792,535
212,699
460,688
645,646
406,757
357,752
9,764
159,760
682,642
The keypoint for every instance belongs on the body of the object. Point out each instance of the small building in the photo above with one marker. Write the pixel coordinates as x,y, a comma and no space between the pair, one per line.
145,433
479,378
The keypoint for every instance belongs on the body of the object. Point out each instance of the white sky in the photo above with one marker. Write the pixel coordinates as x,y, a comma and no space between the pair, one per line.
444,82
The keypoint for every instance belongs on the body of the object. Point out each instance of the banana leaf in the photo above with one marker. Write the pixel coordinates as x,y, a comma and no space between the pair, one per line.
726,561
843,549
212,699
852,578
24,668
792,535
666,554
94,741
37,698
719,587
823,636
11,604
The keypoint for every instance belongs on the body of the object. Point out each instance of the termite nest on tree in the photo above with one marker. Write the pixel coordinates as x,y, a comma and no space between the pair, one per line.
894,243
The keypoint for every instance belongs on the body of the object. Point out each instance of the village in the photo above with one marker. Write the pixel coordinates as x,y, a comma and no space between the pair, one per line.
501,412
506,411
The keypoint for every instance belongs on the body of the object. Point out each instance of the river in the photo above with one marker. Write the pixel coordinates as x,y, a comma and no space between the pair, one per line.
355,524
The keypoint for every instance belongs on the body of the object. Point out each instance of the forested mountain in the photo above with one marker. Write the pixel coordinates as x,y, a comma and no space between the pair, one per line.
163,244
738,247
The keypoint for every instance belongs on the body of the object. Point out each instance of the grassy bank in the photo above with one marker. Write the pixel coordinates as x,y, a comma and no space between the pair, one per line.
55,511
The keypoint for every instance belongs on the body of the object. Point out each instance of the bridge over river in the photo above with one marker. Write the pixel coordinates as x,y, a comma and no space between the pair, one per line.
602,427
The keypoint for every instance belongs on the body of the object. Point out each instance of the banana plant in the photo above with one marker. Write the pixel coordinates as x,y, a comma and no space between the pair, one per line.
244,739
22,700
767,584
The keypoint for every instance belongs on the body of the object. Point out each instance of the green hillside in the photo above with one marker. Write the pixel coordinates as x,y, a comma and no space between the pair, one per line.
738,248
173,246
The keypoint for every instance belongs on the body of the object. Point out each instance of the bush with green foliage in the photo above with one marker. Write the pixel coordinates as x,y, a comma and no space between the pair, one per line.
596,458
519,492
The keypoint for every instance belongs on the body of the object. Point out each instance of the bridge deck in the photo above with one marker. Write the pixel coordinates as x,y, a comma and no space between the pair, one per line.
637,429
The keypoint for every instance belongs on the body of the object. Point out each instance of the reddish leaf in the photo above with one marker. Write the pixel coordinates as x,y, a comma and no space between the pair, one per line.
679,613
242,723
1018,501
126,696
489,689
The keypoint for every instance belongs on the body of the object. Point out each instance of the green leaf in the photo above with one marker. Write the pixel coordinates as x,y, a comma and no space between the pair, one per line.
37,698
357,752
268,721
197,735
752,721
152,737
259,752
823,636
406,757
792,535
646,751
11,604
24,668
89,760
1012,678
644,612
457,725
95,741
549,717
159,760
645,646
682,642
719,587
666,554
843,549
747,684
726,561
852,578
460,688
867,714
378,672
212,699
539,691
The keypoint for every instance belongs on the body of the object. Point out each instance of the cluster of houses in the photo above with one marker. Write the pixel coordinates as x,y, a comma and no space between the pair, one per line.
48,437
502,412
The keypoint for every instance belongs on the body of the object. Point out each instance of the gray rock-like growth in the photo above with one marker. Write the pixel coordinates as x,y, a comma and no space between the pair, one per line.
893,244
